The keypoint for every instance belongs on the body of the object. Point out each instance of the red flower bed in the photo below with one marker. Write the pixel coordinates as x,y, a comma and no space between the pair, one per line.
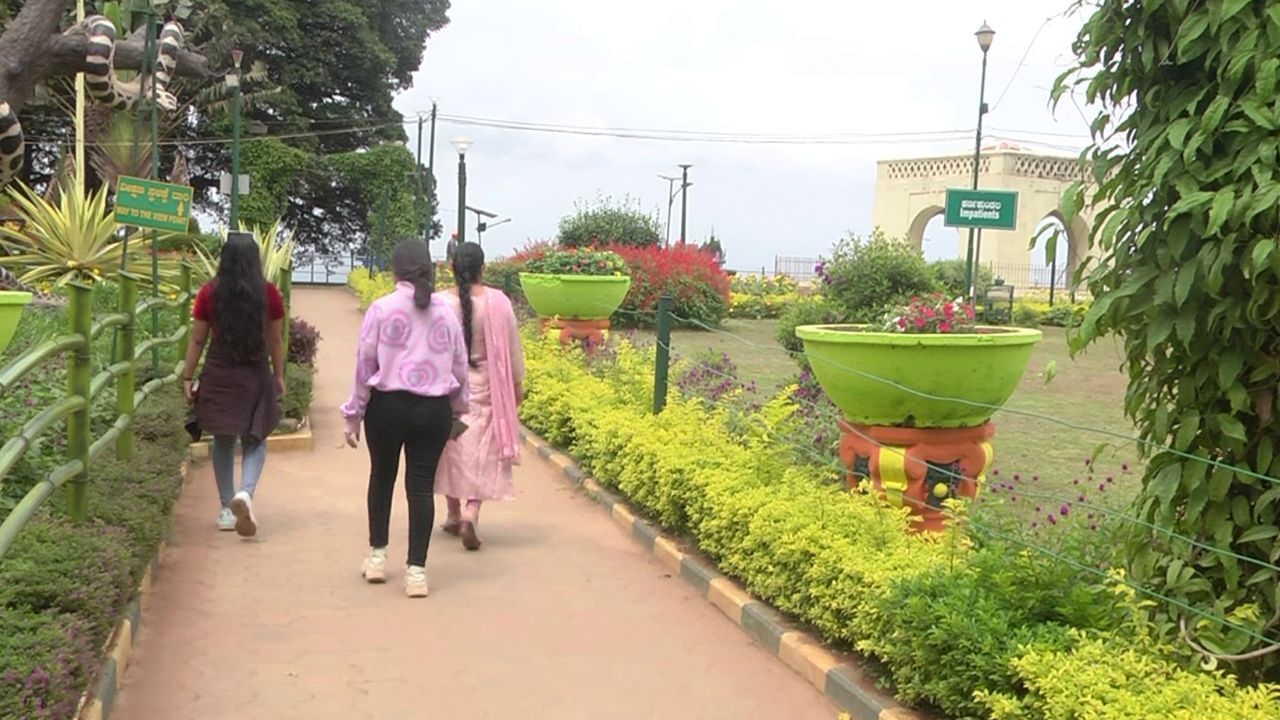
699,288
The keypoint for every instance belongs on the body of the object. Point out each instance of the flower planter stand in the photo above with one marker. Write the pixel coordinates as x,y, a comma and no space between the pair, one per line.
918,468
11,306
590,333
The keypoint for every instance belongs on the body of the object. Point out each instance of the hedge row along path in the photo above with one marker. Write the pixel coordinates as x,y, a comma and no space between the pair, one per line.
560,616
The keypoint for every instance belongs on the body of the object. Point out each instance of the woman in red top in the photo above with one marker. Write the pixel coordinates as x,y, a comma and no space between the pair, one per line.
239,314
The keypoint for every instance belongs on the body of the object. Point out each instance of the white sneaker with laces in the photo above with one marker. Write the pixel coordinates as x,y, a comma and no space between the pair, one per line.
415,581
374,569
242,508
226,520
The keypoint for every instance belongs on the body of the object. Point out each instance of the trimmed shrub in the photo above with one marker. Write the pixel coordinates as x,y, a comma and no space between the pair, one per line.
46,661
806,311
864,277
301,381
963,624
606,222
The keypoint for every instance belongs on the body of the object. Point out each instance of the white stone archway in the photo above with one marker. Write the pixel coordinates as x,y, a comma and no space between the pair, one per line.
911,192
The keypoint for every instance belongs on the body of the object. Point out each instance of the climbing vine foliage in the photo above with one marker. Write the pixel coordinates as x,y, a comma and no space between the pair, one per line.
1185,182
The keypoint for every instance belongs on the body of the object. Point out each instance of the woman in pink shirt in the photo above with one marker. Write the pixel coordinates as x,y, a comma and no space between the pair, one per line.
411,388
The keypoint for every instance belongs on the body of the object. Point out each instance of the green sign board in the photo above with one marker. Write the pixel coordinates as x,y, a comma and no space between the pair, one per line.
994,209
151,204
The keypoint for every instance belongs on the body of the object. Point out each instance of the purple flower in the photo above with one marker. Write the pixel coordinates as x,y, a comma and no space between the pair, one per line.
1017,477
1081,498
1052,520
1065,510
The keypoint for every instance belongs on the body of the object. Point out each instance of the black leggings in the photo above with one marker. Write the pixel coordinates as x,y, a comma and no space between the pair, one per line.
420,425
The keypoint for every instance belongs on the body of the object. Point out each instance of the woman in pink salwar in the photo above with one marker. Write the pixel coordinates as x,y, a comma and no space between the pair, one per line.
476,466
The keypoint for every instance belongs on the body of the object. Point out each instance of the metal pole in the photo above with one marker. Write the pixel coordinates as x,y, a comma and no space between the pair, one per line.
153,56
462,198
235,152
971,256
684,202
431,153
80,105
663,363
418,189
1053,273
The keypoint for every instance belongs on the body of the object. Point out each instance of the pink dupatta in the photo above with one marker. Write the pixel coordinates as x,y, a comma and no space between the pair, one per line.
502,342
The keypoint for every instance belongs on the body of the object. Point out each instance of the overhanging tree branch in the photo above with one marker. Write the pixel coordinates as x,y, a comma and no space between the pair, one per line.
32,51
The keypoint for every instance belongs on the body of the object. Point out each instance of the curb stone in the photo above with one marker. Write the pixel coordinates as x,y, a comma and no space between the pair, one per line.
836,675
99,700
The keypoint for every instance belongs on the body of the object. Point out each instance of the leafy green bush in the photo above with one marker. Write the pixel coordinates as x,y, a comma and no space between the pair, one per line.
301,385
948,277
816,310
864,277
952,617
63,586
606,222
46,661
61,568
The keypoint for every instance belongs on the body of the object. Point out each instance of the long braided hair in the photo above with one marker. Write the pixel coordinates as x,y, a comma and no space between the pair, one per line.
468,266
411,263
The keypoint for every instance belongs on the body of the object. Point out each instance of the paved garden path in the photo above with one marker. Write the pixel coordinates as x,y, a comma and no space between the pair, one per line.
560,616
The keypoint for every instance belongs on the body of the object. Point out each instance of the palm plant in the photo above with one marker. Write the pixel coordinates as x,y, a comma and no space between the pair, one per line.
71,238
275,244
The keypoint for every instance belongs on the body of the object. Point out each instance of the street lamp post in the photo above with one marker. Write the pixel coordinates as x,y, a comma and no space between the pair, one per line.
671,201
462,144
431,147
984,35
233,82
684,202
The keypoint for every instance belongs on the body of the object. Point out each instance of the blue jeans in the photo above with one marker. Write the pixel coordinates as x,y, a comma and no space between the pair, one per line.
254,454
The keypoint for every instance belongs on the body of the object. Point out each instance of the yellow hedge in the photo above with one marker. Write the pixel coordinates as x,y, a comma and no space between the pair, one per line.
975,631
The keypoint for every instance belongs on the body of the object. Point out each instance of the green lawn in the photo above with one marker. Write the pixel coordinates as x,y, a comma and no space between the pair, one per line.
1087,392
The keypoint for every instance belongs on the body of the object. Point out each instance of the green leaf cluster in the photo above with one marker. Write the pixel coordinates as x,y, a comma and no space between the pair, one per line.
1184,174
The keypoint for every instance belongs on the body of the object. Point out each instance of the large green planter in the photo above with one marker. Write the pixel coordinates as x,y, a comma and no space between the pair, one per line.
921,381
575,297
11,304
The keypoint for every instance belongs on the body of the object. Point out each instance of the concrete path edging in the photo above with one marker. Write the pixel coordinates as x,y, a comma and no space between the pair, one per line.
836,675
99,700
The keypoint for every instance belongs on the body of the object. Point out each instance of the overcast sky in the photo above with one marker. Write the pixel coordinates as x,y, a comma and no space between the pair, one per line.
808,67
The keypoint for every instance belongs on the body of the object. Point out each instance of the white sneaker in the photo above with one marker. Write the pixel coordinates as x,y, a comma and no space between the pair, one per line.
242,508
226,520
374,569
415,581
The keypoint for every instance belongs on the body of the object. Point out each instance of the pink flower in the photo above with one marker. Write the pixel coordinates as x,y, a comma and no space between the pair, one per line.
902,323
929,313
944,326
920,323
949,310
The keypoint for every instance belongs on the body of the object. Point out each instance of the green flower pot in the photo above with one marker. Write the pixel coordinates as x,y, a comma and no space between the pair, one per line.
923,381
575,297
11,304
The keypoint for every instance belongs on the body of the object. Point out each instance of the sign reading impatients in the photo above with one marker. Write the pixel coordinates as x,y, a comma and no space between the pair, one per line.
995,209
151,204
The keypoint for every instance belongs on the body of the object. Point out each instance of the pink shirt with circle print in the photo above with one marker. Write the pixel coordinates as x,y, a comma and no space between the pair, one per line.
405,348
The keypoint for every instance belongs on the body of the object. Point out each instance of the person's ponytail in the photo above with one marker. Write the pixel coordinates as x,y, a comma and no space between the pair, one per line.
411,263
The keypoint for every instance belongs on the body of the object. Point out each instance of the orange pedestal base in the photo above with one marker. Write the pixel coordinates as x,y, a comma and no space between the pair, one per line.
918,468
591,333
